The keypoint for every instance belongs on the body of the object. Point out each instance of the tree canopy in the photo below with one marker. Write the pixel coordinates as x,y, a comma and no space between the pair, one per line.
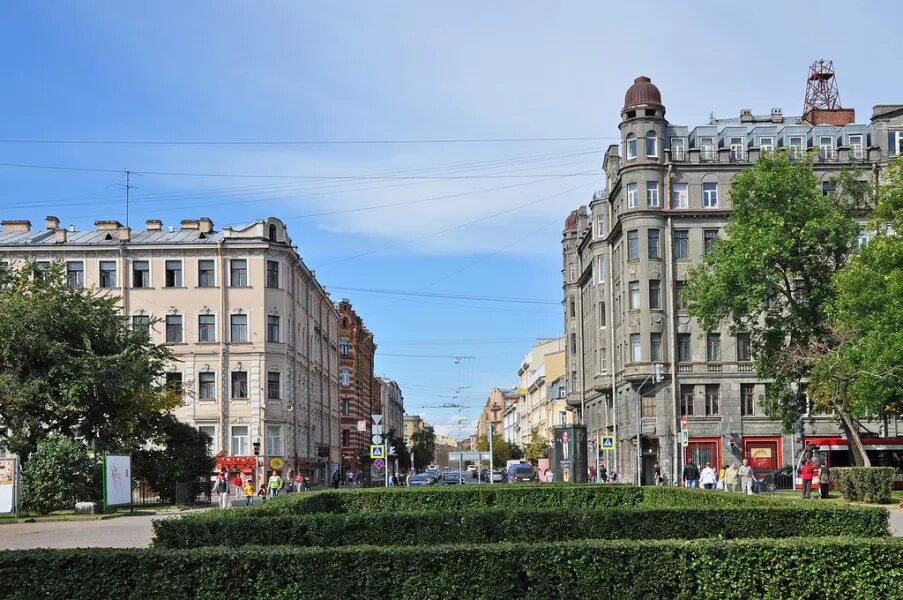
537,447
424,447
176,452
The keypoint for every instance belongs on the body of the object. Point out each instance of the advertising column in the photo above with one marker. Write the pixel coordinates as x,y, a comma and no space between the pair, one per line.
9,486
569,454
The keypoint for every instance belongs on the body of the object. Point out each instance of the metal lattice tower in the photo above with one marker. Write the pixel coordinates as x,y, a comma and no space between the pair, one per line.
821,87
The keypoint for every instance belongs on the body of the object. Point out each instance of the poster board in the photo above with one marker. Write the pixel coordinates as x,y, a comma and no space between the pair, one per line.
7,486
117,479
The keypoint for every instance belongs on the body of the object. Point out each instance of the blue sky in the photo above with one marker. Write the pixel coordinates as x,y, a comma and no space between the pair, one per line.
487,220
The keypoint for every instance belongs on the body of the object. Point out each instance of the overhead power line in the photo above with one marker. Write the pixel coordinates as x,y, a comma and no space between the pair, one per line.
451,296
303,142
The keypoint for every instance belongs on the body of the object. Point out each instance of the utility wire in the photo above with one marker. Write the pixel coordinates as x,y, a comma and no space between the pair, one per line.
452,296
303,142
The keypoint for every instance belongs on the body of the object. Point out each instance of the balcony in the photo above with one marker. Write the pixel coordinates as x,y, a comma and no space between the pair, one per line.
826,154
713,368
737,155
678,154
744,368
684,368
707,153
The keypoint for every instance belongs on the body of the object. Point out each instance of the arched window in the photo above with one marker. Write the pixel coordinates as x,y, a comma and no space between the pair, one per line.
651,144
631,146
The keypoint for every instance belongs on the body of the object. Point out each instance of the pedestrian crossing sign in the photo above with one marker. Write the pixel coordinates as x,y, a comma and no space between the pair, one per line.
609,442
377,451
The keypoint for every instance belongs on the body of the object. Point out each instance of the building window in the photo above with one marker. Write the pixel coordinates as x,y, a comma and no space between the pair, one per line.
272,234
274,440
238,328
680,197
895,142
140,274
631,146
746,399
710,195
272,274
238,272
633,244
683,348
681,243
207,385
766,145
743,349
206,273
602,317
677,149
272,328
636,351
712,395
738,149
346,406
796,146
142,324
345,376
687,394
343,347
647,407
652,194
825,147
41,268
573,343
713,348
240,384
632,195
601,263
573,308
655,294
240,445
709,236
651,144
173,329
601,231
679,294
210,430
652,243
75,274
107,274
856,149
174,273
655,346
206,328
707,146
174,382
634,295
346,437
274,385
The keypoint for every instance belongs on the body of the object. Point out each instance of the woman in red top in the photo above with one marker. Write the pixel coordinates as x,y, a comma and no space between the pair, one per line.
806,472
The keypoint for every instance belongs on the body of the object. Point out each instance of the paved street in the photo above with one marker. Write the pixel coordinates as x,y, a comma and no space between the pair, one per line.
122,532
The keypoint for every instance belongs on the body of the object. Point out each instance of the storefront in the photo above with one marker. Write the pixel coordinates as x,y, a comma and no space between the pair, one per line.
763,453
232,465
704,450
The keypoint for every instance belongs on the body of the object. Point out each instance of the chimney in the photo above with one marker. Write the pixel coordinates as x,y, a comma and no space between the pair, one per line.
206,225
746,115
835,116
777,115
53,223
190,224
19,226
125,234
59,236
153,225
107,225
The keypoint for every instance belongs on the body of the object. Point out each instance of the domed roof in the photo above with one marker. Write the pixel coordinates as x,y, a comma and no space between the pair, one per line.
643,91
571,222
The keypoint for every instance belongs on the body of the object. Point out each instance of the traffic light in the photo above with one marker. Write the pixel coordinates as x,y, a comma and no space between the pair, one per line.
256,448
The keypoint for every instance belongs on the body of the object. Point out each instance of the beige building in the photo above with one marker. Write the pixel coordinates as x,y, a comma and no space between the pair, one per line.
253,333
542,366
492,414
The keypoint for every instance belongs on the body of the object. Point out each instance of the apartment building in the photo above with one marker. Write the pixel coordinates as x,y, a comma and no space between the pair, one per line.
491,415
626,255
358,388
391,406
253,334
537,411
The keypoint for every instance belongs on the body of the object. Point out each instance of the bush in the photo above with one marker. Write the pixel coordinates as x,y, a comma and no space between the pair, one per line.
518,525
675,496
700,569
179,454
864,484
58,475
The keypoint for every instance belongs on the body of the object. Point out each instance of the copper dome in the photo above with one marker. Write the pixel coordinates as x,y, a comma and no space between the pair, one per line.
643,91
571,222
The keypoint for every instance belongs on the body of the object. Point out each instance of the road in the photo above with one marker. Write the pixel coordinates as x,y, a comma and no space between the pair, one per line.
121,532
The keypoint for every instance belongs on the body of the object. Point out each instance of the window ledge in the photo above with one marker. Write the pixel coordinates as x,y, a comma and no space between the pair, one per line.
175,287
207,343
206,287
141,287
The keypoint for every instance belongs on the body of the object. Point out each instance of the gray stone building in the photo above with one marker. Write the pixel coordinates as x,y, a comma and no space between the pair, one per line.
626,254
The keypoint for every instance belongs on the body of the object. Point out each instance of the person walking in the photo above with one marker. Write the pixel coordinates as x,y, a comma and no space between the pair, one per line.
239,486
350,477
691,475
335,479
824,480
221,487
550,476
262,492
273,484
659,480
707,477
806,473
299,482
730,478
249,493
603,473
745,473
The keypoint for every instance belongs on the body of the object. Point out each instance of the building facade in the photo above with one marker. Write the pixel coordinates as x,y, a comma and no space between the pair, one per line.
391,407
626,255
542,365
253,334
491,416
358,388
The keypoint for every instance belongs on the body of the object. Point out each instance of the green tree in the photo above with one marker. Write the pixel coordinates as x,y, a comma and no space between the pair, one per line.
514,451
58,474
176,453
537,447
499,448
424,447
772,275
70,365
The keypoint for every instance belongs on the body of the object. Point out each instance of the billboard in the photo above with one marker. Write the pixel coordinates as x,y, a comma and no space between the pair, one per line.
117,479
569,454
7,485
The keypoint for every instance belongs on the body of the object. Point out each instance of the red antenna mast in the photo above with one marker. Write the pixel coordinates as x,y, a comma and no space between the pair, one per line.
821,87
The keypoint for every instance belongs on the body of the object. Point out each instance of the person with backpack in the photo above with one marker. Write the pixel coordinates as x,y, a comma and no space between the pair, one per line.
691,475
221,487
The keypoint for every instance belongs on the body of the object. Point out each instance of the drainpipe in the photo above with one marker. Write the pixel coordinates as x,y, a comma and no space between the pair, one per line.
672,327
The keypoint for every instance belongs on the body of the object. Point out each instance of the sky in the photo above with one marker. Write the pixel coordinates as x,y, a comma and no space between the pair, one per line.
414,146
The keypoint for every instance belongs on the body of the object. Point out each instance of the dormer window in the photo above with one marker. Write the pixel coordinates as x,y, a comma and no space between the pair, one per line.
766,145
651,145
631,146
677,149
856,148
795,143
272,234
707,145
825,147
738,149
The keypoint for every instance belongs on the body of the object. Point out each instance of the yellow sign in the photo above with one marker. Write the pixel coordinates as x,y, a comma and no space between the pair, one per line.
377,451
276,463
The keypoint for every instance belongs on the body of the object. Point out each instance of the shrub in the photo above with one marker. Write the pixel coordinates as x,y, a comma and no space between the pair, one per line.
518,525
699,569
675,496
58,475
179,453
864,484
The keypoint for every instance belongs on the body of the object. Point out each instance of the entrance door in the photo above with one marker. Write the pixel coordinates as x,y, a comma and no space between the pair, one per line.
702,452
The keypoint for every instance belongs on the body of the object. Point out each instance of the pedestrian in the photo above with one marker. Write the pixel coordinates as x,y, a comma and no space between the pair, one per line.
249,493
221,487
288,485
806,473
719,485
262,492
707,477
550,476
659,479
824,480
691,475
274,483
745,473
350,477
335,479
614,477
730,478
299,482
603,473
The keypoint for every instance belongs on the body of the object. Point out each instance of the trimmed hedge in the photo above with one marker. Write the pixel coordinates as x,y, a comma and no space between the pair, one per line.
665,496
865,569
864,484
518,525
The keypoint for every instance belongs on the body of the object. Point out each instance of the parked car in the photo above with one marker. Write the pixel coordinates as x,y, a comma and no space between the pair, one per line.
421,479
433,472
521,473
450,477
